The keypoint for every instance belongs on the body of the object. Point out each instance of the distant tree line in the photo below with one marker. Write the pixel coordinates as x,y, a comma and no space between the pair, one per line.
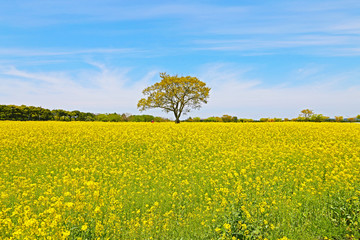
31,113
306,115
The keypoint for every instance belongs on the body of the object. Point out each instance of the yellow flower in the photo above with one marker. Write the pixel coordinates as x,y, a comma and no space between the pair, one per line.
66,233
227,226
97,209
84,227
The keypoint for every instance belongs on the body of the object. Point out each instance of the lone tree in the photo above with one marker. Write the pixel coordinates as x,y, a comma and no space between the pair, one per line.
175,94
307,113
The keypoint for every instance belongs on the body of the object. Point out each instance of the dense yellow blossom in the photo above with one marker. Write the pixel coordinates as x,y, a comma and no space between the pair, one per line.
80,180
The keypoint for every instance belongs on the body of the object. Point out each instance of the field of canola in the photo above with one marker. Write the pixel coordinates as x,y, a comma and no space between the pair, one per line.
79,180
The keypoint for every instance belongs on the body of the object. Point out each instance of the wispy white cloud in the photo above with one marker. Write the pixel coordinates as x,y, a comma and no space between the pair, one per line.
250,28
40,13
313,44
269,44
320,6
308,71
316,28
340,51
53,52
238,95
102,89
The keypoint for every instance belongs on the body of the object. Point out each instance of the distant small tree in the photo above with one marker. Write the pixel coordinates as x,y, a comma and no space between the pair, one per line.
306,113
175,94
211,119
218,119
189,119
227,118
339,118
196,119
351,119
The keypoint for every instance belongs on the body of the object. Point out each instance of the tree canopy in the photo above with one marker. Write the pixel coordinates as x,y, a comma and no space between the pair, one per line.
175,94
307,113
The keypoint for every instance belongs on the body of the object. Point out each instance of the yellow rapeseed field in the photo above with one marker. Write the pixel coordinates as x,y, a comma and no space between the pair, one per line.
80,180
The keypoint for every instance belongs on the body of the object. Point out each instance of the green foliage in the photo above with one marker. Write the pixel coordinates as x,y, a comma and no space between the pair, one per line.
75,114
228,118
345,215
160,119
102,118
318,118
213,119
111,117
245,120
175,94
24,113
141,118
30,113
238,226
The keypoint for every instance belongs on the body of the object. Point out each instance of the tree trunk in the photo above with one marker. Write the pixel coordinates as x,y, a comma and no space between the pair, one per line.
177,117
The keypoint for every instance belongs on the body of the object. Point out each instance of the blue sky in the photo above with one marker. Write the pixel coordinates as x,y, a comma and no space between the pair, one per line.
260,58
